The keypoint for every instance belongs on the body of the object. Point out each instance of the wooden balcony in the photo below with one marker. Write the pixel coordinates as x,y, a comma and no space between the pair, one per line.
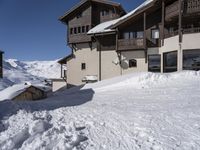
130,44
184,31
190,7
172,11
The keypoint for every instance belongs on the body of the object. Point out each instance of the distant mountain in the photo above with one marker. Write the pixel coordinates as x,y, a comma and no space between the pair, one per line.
28,71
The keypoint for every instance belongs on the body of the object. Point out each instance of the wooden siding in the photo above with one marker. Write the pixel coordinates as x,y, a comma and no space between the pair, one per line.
97,16
1,65
107,42
78,22
31,94
130,44
189,7
172,10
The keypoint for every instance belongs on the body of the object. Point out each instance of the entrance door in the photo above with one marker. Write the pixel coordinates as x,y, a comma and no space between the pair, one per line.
170,61
154,63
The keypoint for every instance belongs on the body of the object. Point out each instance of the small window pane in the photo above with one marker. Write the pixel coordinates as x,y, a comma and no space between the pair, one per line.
75,31
83,29
132,63
140,34
79,29
155,34
87,28
126,35
79,15
71,30
83,66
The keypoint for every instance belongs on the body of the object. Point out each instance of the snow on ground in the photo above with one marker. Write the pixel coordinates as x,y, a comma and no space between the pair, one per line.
16,72
133,112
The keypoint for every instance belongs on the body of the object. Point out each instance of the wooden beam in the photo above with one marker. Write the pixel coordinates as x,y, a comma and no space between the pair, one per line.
180,22
145,37
117,37
163,23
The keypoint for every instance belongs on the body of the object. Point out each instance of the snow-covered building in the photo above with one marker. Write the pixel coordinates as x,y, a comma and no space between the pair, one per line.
1,64
157,36
21,92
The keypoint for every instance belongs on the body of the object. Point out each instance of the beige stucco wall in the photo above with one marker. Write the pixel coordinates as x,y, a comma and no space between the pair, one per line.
139,56
190,41
110,66
83,54
58,84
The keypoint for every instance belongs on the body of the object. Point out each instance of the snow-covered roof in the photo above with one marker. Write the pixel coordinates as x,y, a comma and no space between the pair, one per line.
105,27
15,90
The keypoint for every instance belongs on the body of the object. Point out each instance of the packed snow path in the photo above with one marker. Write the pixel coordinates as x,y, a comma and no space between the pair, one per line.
133,112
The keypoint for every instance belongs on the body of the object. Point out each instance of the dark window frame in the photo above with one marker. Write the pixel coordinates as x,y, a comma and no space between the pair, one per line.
79,30
83,66
195,67
164,62
75,30
83,29
87,28
132,63
79,15
71,31
158,70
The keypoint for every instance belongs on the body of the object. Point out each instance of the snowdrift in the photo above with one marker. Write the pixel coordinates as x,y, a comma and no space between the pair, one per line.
136,111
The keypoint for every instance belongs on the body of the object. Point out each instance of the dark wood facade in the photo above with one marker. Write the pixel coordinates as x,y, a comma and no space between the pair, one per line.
1,64
86,15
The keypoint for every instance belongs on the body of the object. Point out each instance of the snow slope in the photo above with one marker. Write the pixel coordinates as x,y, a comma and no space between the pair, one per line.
140,111
16,72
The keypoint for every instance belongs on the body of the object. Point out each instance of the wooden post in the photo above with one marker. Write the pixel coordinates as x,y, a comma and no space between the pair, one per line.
99,49
180,21
163,23
145,38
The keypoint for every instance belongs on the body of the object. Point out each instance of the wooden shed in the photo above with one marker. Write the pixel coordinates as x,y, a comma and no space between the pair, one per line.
24,92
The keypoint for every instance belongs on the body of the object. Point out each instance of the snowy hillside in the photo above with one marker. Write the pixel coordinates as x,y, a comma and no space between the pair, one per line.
140,111
32,71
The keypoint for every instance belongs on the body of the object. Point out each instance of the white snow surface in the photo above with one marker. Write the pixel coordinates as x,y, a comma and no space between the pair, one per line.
17,72
140,111
104,27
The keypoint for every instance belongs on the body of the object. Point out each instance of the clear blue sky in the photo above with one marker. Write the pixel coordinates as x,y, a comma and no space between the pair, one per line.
30,30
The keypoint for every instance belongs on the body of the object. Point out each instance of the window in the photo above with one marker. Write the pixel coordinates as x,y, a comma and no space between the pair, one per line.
79,29
79,15
87,28
170,61
140,34
83,66
132,63
154,63
191,59
155,34
132,35
126,35
71,30
83,29
75,30
104,12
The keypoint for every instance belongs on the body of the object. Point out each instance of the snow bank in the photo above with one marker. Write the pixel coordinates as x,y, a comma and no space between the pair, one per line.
137,111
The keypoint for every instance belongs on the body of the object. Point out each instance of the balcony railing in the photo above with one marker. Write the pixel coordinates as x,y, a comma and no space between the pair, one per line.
184,31
128,44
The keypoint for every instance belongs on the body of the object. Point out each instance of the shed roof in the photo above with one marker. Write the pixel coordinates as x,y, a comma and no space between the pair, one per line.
17,89
82,2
